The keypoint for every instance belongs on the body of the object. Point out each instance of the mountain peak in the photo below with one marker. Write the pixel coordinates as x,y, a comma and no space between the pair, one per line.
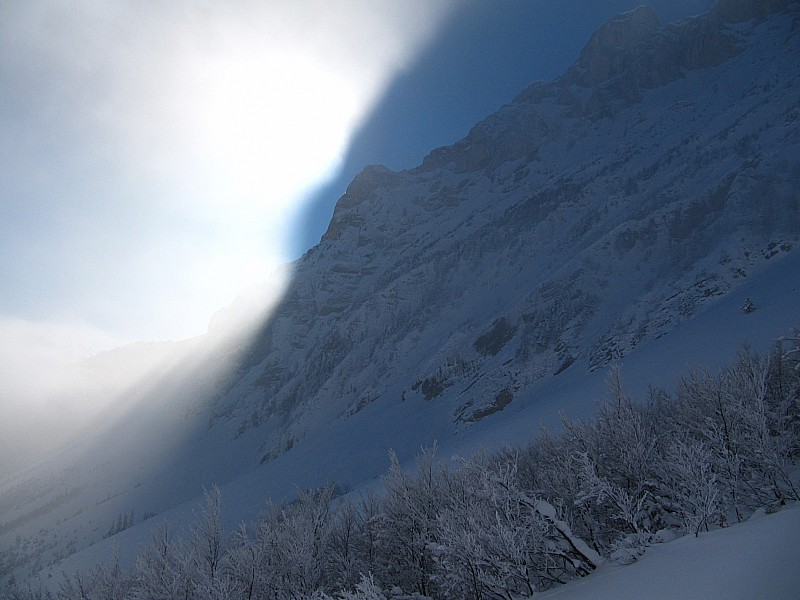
365,184
613,46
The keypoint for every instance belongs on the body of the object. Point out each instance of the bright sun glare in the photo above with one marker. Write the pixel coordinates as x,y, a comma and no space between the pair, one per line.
272,127
251,109
207,124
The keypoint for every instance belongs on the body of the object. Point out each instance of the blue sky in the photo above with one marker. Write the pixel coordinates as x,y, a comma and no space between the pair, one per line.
156,158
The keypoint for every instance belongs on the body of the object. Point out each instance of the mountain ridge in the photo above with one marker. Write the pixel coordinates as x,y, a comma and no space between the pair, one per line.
569,230
513,134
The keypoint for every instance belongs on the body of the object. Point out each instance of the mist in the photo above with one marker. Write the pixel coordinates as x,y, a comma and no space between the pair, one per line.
155,154
153,158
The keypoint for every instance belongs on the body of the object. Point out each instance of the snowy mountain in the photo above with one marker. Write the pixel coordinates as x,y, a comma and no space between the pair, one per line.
626,211
591,214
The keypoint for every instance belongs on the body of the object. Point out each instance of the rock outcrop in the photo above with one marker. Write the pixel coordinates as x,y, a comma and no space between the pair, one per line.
614,47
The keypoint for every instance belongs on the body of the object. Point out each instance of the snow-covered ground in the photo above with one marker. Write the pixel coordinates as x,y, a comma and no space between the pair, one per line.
757,559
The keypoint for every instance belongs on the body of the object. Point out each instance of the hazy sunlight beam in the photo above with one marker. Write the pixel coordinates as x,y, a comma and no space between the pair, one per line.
236,112
160,152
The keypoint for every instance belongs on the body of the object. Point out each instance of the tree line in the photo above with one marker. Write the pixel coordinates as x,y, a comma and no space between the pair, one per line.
503,525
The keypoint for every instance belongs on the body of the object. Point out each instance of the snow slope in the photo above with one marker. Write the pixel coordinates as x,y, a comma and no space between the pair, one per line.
756,559
356,452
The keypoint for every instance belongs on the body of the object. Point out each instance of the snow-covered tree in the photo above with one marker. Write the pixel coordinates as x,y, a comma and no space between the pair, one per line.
305,528
497,540
689,485
737,414
491,541
365,589
612,460
245,566
354,540
111,581
206,552
162,571
409,525
616,501
75,587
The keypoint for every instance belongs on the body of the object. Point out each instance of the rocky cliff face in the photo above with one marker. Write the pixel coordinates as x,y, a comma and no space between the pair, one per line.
592,213
615,47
